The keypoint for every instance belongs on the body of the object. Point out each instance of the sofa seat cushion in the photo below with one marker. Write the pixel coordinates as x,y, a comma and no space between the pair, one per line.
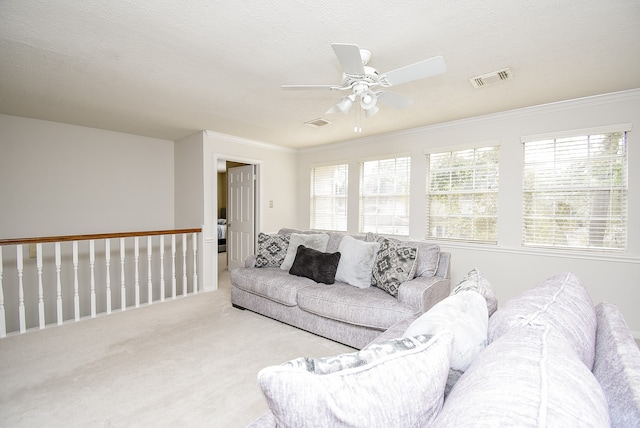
367,307
271,283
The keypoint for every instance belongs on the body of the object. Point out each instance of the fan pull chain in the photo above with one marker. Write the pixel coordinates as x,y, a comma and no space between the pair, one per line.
358,125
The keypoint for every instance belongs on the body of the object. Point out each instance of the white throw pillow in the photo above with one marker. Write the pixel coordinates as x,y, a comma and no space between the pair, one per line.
465,315
316,241
356,261
395,383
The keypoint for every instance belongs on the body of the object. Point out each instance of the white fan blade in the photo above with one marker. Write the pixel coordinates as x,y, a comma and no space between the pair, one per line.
419,70
349,57
307,87
394,100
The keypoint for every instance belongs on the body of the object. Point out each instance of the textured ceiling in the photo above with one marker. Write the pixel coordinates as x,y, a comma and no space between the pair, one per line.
169,68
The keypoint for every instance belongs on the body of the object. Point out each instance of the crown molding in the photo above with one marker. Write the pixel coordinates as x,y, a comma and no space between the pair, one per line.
247,142
594,100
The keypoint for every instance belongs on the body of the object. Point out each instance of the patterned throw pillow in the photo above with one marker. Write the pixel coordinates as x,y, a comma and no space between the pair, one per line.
395,263
395,383
272,250
476,282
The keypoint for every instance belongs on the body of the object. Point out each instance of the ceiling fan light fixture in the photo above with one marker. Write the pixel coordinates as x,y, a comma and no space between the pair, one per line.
345,104
371,111
368,100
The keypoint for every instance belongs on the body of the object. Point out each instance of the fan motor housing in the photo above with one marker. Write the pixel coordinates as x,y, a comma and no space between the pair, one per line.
370,78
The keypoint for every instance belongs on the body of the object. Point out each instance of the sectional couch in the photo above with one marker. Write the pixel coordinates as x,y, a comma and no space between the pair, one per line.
546,358
347,310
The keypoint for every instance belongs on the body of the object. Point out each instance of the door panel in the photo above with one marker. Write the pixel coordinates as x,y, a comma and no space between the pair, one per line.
240,214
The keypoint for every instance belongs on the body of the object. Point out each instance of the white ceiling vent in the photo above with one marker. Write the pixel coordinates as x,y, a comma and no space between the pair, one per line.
317,123
491,78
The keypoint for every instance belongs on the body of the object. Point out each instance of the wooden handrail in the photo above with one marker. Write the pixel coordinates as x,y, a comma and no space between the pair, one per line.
42,240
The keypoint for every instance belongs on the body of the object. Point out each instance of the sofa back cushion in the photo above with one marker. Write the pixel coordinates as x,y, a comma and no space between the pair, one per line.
617,366
528,377
395,383
560,302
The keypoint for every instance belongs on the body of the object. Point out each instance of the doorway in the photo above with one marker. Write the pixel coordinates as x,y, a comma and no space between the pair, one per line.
238,209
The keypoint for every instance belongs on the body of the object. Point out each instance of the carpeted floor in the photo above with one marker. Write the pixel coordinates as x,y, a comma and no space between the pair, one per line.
191,362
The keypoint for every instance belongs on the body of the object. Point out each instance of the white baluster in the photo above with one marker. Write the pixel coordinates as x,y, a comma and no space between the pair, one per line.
149,281
59,315
173,266
41,321
184,264
76,292
194,245
136,257
3,322
123,288
162,268
20,266
107,262
92,264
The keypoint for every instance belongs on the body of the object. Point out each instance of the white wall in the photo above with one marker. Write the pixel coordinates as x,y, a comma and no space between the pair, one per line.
58,179
509,267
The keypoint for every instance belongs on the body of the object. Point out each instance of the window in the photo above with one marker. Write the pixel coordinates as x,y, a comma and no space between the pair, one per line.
384,196
329,197
575,191
462,194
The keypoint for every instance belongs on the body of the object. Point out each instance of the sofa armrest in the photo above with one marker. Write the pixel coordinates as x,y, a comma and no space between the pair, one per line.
423,292
250,261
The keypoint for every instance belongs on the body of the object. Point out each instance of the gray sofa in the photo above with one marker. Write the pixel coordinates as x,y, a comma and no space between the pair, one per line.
340,312
552,359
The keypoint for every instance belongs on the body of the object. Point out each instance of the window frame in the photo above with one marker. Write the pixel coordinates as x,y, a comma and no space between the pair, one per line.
474,238
334,220
395,228
576,219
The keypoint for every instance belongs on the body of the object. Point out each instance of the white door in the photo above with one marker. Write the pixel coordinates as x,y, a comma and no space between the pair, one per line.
240,214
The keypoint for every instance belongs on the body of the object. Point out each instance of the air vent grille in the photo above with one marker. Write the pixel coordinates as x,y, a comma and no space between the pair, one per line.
491,78
317,123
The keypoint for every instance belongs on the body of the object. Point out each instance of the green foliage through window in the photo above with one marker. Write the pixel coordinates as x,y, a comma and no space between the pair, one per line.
575,192
462,194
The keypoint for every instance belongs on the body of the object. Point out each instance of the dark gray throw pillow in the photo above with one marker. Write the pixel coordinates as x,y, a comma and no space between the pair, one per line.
315,265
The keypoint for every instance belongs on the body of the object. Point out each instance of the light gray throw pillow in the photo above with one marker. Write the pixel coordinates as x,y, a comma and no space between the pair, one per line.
395,383
356,261
316,241
465,315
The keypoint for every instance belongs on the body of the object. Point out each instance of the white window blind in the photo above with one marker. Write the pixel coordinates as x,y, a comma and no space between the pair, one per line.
575,192
384,196
329,197
462,194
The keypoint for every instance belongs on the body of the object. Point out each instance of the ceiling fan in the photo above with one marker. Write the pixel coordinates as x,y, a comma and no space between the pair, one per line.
362,81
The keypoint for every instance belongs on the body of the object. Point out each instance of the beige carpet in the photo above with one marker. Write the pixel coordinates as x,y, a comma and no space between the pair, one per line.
191,362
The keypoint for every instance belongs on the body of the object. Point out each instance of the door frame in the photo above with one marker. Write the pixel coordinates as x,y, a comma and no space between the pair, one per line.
257,197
